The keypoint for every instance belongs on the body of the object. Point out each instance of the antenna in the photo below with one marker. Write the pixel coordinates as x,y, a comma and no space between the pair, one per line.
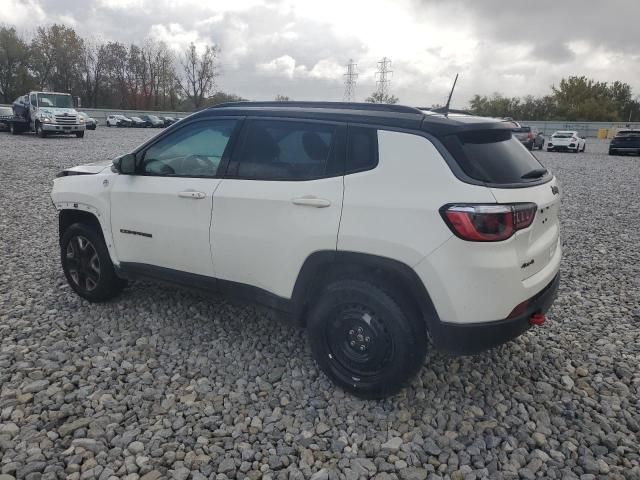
446,107
383,76
350,81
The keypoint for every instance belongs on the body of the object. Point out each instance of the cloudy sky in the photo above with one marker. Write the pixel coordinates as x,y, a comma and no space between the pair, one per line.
299,47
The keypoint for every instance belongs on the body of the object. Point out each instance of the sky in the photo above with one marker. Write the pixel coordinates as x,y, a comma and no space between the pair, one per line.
300,48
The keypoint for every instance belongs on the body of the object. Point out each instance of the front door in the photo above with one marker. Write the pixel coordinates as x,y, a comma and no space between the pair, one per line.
161,216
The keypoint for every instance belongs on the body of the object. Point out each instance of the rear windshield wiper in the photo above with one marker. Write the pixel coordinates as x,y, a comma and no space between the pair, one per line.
535,173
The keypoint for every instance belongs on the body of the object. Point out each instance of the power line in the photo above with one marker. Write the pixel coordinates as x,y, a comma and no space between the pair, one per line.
383,77
350,81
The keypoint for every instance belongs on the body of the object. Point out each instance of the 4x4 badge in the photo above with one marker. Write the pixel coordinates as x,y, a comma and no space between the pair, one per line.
555,190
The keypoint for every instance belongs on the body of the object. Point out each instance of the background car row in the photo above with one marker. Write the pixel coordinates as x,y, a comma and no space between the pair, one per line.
140,121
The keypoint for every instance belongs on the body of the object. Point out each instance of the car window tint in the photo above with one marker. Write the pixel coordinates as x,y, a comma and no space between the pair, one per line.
193,151
285,150
363,149
491,156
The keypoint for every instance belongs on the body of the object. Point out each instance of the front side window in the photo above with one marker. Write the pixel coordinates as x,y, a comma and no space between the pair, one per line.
285,150
193,151
34,100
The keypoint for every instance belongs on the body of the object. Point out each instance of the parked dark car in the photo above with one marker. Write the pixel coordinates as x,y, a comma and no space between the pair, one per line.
89,123
5,112
528,138
625,141
168,120
139,122
152,121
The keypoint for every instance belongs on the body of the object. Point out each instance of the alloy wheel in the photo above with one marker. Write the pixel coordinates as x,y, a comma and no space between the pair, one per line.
83,263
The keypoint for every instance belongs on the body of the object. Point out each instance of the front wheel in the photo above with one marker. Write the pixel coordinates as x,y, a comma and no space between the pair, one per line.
363,340
39,131
80,134
87,265
14,130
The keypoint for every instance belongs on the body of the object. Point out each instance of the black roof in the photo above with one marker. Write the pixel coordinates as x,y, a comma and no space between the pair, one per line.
398,116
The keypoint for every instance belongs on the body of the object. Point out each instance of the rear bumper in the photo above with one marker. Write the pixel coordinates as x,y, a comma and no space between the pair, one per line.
467,339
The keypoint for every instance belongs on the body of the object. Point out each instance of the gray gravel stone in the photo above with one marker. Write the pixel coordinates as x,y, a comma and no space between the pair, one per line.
126,390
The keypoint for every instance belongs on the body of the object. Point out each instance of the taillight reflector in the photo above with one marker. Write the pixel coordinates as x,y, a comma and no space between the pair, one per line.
488,223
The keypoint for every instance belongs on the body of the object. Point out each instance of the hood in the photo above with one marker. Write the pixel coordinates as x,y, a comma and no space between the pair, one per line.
57,111
86,169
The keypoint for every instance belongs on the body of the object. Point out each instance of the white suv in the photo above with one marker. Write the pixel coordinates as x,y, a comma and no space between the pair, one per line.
374,226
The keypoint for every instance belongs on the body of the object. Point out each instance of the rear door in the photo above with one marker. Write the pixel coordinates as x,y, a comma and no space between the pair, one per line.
279,202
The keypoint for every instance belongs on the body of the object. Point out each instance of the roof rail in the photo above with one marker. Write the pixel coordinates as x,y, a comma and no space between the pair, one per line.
382,107
442,110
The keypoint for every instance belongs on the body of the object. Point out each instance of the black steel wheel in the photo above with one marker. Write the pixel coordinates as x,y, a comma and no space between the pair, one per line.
364,340
39,131
87,265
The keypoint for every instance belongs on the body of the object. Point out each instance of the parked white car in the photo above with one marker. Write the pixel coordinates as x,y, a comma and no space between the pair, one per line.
566,140
374,226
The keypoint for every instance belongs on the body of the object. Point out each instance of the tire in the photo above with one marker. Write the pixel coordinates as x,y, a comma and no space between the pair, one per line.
612,152
87,265
584,147
549,149
39,132
80,134
14,130
108,124
363,340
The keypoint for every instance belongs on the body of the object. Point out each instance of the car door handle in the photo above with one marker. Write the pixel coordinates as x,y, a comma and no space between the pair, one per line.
192,194
310,201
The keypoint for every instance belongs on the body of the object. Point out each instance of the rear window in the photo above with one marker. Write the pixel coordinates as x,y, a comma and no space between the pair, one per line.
628,133
492,156
522,130
562,135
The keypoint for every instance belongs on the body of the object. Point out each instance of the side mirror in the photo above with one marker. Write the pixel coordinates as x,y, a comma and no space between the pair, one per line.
125,164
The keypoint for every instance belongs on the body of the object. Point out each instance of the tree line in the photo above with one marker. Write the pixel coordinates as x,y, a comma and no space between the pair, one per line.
111,74
576,98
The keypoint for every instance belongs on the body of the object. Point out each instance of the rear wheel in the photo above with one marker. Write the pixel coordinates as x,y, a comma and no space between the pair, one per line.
87,265
363,340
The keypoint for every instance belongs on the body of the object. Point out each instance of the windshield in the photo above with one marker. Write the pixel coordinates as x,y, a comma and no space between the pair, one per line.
55,100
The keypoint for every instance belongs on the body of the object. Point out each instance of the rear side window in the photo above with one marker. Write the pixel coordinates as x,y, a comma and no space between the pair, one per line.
285,150
492,156
362,153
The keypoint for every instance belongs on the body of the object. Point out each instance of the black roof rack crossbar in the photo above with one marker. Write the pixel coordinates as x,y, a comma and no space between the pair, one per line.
382,107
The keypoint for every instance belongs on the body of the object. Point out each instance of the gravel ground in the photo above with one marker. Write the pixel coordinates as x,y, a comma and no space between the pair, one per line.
166,383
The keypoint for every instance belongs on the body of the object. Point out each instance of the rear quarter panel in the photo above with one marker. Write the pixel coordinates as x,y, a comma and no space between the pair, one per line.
393,210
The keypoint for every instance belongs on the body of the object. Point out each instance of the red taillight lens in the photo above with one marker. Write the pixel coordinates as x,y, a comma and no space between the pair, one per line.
488,223
530,135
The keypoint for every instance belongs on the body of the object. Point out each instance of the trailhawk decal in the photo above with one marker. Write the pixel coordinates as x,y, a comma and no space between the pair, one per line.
132,232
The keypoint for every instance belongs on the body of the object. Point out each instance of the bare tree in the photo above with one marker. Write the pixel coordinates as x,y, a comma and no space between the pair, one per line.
199,73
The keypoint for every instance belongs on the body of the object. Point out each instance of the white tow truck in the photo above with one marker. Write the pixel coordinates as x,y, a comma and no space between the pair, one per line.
45,113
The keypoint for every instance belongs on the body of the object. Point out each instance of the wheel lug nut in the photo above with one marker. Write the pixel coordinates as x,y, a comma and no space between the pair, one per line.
351,332
362,348
352,343
360,330
366,339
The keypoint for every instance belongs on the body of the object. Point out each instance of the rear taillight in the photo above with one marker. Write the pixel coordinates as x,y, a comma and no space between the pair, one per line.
530,136
488,223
